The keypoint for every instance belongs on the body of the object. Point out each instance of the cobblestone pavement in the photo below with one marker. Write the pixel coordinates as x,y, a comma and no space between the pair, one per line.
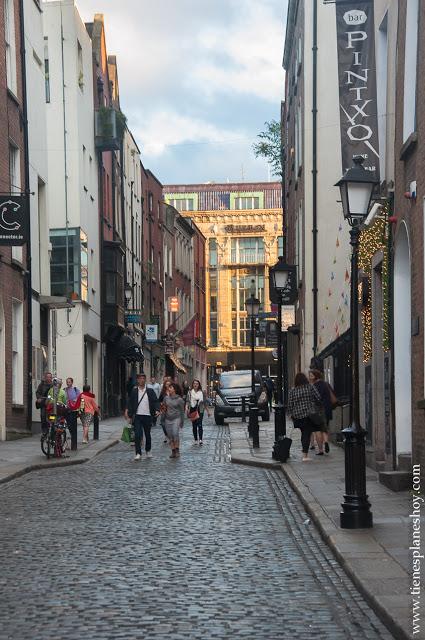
178,549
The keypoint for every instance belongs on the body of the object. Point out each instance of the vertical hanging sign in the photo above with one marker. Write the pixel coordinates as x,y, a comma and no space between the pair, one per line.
357,83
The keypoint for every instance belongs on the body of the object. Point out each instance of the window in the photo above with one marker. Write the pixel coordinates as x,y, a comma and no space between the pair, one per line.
15,187
213,291
182,204
10,41
213,252
150,203
69,263
17,352
247,250
249,202
410,68
46,72
280,246
298,138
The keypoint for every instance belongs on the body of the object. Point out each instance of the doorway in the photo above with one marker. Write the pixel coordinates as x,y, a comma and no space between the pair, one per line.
3,377
402,343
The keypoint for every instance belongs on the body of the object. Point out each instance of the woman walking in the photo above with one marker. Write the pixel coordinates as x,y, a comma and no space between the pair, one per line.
173,411
316,379
303,402
162,395
88,408
196,403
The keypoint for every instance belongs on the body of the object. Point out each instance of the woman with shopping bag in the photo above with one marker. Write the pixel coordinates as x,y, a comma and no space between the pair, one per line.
196,404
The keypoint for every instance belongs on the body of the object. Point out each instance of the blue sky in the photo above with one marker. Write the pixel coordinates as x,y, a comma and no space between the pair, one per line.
198,79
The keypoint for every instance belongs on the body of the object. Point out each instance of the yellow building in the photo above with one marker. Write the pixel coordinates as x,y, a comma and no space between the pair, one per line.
243,227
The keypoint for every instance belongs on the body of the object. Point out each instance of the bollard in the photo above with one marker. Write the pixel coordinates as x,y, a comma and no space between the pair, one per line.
255,428
243,409
73,429
96,427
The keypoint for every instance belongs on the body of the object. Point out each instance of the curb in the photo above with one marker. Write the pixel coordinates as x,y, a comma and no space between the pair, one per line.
326,529
54,464
255,463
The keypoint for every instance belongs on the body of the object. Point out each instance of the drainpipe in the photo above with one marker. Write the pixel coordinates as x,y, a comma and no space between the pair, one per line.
390,249
314,182
27,196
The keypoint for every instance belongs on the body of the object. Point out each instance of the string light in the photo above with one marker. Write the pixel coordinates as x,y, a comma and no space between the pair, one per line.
372,240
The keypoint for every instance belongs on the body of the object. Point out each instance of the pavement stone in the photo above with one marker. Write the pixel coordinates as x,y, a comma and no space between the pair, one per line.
184,549
376,559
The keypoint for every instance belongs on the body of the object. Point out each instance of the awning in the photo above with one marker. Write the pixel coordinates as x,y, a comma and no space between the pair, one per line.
55,302
177,363
127,349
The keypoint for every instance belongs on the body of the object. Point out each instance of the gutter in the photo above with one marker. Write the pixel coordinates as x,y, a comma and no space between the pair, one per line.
314,176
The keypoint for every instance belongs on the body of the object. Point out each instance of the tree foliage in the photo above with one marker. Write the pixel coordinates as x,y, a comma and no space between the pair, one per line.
269,146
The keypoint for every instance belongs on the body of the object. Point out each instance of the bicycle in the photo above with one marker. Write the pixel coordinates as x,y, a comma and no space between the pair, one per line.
55,441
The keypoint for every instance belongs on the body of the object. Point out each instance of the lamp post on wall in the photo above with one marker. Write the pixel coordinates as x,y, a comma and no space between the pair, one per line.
128,294
283,290
252,305
356,186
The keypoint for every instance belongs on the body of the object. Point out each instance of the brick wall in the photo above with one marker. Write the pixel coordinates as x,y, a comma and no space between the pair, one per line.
12,280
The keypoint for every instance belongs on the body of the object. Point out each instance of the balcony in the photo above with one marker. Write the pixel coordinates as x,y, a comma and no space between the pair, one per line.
108,129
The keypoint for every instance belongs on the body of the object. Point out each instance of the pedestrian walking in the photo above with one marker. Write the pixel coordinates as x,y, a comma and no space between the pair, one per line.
142,407
73,405
173,410
325,391
88,409
164,392
196,405
41,397
304,404
185,389
156,387
269,384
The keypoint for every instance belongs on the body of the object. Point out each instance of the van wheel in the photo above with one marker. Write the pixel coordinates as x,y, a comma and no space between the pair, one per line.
266,415
219,420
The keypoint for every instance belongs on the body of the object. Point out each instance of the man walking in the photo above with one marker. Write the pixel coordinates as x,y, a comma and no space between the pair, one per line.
143,406
41,397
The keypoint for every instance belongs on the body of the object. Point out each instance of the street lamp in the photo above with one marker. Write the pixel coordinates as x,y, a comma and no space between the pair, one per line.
356,186
252,306
128,294
283,290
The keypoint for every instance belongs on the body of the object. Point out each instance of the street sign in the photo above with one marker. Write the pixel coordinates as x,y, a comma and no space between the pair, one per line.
133,318
169,346
173,304
151,332
14,227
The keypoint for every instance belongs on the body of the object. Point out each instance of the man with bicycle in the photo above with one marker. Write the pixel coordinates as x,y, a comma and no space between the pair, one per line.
41,397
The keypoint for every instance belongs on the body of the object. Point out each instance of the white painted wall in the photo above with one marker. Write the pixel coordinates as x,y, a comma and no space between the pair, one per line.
80,206
402,342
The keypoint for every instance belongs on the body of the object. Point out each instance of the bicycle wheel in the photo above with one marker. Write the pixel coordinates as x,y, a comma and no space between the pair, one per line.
60,439
46,444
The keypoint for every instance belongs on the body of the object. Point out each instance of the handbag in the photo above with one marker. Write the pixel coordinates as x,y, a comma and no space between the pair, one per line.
193,413
127,434
317,418
332,396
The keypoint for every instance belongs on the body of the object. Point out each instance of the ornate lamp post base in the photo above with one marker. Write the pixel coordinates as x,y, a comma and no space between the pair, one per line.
355,512
279,421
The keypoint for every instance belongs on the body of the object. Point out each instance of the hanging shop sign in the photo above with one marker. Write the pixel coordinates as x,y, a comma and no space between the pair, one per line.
357,83
151,332
288,317
14,220
133,317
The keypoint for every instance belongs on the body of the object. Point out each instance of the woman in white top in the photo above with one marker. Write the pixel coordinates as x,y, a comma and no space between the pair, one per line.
196,401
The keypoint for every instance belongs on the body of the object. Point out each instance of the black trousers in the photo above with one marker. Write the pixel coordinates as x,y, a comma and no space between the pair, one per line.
142,424
307,428
197,427
72,422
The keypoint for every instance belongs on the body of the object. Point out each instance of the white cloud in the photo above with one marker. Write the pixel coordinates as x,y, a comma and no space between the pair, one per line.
164,129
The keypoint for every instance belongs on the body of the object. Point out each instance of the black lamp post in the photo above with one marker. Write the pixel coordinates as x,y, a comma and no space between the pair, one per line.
283,290
252,306
356,186
128,294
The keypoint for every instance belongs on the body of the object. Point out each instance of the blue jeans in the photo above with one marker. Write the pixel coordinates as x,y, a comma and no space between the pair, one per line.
142,424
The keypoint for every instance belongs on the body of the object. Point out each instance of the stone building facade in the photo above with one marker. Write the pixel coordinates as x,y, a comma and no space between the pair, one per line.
242,224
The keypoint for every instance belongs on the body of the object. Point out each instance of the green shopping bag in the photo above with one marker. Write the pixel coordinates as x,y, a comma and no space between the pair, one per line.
127,434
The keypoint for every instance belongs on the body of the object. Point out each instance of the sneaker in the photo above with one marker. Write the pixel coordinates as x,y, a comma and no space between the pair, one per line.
319,453
306,460
137,456
326,447
149,454
195,442
312,448
85,441
200,442
165,441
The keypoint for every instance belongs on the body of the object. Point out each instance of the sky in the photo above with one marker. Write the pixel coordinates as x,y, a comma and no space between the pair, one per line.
198,80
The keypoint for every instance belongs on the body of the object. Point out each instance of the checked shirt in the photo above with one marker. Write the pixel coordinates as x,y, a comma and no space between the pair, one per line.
303,401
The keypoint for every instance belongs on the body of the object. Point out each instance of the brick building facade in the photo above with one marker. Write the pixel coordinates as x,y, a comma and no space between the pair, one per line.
14,367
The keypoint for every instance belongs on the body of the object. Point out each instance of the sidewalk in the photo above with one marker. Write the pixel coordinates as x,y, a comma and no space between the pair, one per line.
18,457
377,560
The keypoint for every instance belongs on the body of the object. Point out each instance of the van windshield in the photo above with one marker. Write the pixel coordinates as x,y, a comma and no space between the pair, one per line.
236,381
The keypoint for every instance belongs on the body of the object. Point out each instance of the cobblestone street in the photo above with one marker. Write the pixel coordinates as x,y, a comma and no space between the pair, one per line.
180,549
